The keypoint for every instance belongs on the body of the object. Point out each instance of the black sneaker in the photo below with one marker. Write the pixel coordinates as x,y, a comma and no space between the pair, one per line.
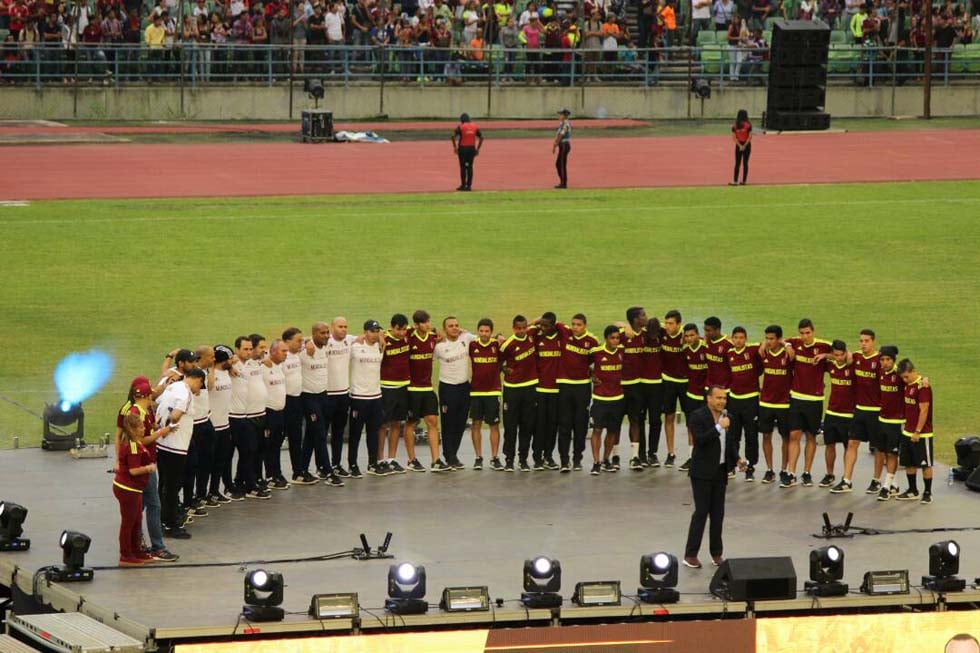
653,461
439,466
200,503
686,466
636,464
549,463
341,472
478,464
842,487
333,481
262,483
769,477
236,495
926,497
609,467
373,469
279,484
211,502
670,460
219,499
176,533
615,462
565,469
538,466
322,474
873,488
750,474
457,465
197,512
596,469
164,556
893,491
382,469
415,466
355,472
395,468
884,494
496,465
908,495
577,466
826,481
524,467
806,479
731,474
782,475
308,479
788,481
259,494
509,465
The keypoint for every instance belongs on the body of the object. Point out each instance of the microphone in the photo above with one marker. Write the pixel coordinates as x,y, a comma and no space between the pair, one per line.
724,412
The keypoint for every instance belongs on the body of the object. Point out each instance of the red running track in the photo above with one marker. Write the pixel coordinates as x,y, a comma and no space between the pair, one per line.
132,170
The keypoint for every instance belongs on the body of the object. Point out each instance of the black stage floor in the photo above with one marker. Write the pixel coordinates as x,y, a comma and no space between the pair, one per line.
467,528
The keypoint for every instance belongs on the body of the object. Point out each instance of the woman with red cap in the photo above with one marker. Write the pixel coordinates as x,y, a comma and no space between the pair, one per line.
133,467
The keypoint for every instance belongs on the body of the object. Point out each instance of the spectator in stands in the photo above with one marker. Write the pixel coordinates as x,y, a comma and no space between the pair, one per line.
964,29
611,36
471,20
360,28
754,56
19,14
317,39
502,10
280,35
851,7
870,30
761,10
531,36
10,60
829,12
260,43
476,49
406,49
569,40
442,43
112,33
508,39
241,35
665,11
646,16
856,25
592,43
53,49
738,37
299,27
219,40
531,10
90,51
808,9
154,38
552,53
700,17
790,9
723,11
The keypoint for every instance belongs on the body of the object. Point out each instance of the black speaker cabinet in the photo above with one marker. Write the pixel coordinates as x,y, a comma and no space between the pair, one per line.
973,481
798,76
317,125
796,120
755,579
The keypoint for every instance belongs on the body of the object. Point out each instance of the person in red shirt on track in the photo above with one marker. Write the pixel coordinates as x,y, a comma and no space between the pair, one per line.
607,398
742,135
467,141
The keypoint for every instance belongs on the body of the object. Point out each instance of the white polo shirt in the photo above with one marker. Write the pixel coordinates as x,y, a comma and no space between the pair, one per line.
201,406
237,407
255,398
275,387
314,370
338,364
365,365
292,368
220,397
454,359
177,397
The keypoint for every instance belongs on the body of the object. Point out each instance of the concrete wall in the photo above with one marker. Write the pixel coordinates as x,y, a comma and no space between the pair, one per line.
400,102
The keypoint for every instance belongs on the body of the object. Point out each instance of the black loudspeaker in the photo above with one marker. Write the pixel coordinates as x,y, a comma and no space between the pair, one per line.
973,482
798,76
755,579
317,125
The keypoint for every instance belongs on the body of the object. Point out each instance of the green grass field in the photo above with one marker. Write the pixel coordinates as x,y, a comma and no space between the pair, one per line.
137,278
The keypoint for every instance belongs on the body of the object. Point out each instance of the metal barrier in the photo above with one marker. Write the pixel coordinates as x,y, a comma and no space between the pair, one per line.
193,64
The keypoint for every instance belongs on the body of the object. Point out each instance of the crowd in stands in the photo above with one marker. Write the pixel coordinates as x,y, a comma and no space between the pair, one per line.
207,39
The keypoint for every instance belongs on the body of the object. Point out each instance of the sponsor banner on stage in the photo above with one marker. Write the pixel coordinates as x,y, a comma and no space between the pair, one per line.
459,641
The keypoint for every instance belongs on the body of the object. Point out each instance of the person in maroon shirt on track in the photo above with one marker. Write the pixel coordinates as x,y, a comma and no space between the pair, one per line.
485,393
744,367
422,401
607,398
674,376
777,378
890,419
915,450
548,348
742,135
519,363
574,391
806,400
133,467
867,406
467,141
695,353
839,417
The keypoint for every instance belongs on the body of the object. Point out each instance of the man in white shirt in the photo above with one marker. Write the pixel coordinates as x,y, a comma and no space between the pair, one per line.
367,407
173,408
338,390
219,395
315,382
197,471
292,367
333,21
453,355
275,414
255,411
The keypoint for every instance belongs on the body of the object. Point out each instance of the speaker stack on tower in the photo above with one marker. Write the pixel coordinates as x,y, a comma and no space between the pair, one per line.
798,76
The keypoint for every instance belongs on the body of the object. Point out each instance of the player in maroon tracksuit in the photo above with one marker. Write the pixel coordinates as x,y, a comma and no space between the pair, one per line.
695,353
890,419
777,378
574,390
806,400
520,366
915,451
744,368
607,398
485,392
395,377
717,345
548,347
839,418
674,376
867,406
422,401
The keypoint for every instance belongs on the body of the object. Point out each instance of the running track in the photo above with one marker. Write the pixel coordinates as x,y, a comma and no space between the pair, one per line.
136,170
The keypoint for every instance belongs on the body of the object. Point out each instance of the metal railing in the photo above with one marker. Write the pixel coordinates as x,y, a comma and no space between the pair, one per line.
195,64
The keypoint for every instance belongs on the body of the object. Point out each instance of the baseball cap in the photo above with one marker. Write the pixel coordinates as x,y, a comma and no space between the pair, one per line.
185,356
141,387
222,353
372,325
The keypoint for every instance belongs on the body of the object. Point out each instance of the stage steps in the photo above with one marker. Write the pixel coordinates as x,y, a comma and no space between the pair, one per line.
72,632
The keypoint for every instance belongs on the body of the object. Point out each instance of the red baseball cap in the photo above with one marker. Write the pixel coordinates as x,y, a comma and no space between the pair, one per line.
141,387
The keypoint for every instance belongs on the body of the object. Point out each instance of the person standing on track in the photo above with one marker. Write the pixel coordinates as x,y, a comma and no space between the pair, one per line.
742,135
467,141
563,145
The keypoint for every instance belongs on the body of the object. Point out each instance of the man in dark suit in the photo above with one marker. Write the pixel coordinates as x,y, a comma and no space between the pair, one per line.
709,476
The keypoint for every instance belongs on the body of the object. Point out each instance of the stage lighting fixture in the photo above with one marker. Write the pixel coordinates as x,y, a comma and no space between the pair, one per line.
944,564
58,415
12,516
542,581
465,599
826,570
886,582
658,578
406,589
701,88
334,606
263,596
603,592
74,546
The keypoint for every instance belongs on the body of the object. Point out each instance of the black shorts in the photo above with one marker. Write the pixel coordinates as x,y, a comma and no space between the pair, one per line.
636,402
690,404
422,404
608,415
887,437
915,454
836,429
771,419
805,415
395,402
865,425
674,392
485,408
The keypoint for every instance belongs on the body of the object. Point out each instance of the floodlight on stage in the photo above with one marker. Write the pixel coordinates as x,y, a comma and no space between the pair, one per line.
12,516
263,596
74,546
334,606
826,570
465,599
944,564
542,581
406,589
658,578
58,416
603,592
894,581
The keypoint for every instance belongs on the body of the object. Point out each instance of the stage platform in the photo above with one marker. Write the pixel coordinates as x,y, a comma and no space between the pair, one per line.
467,528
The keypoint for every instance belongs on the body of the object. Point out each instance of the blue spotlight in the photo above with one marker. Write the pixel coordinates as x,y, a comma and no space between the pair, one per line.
78,376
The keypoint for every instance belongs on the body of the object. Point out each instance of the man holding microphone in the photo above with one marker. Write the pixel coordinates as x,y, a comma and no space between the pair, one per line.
709,476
